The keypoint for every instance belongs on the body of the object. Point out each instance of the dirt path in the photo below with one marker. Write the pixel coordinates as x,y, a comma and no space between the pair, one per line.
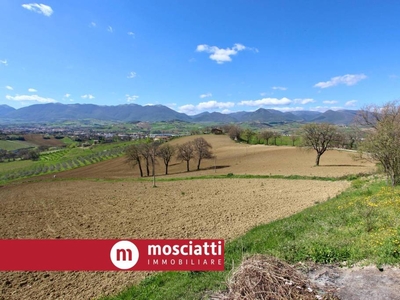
366,283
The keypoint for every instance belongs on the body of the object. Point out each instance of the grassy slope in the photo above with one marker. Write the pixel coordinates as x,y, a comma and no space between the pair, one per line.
14,145
15,165
361,224
54,158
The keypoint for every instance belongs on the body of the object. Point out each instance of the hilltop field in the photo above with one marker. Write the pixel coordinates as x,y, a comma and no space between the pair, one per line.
105,200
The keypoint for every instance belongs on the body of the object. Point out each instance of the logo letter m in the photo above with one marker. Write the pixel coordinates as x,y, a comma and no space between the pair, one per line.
124,253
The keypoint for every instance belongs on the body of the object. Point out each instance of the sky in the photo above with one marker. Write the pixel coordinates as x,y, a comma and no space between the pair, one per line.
201,55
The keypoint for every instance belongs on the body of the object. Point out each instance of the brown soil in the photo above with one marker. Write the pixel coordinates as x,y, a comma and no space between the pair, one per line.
237,158
86,209
38,139
71,206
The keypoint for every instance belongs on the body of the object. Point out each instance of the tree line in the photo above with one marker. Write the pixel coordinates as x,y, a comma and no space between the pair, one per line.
345,137
20,154
145,154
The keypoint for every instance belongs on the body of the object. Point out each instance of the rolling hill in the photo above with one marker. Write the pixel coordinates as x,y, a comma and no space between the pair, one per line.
57,112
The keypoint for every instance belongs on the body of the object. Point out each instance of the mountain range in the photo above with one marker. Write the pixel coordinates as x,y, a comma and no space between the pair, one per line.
57,112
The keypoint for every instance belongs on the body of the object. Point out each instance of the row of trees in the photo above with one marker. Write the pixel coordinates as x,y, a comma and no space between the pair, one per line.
236,133
21,154
345,138
146,154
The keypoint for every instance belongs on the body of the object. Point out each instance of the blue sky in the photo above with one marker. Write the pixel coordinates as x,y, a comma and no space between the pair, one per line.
195,56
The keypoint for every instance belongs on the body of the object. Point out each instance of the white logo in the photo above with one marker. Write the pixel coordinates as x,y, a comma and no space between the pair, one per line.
124,255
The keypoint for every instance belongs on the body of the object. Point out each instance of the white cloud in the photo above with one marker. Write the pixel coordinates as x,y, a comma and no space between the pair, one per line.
9,87
304,101
280,88
39,8
214,104
226,111
88,96
171,105
351,103
131,98
110,29
221,55
4,62
30,98
266,102
191,109
131,33
32,90
131,75
188,109
205,95
92,24
329,102
348,79
67,95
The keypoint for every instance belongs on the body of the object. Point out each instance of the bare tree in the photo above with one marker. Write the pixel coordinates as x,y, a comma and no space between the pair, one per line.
294,138
186,153
166,152
134,157
266,135
145,152
153,150
320,137
352,137
226,127
275,136
201,150
382,143
234,132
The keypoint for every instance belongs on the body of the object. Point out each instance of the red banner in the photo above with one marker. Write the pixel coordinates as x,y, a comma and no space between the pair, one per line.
111,255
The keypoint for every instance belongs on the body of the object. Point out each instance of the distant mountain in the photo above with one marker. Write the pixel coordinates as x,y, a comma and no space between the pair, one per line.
214,117
130,112
306,115
57,112
266,115
345,117
5,109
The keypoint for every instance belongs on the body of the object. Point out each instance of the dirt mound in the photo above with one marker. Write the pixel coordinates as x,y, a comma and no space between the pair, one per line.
265,277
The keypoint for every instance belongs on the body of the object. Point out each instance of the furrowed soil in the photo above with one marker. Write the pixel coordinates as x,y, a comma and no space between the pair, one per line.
131,210
76,204
38,139
238,158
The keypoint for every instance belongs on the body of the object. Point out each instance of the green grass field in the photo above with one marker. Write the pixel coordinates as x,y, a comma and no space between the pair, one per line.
15,165
14,145
60,160
361,224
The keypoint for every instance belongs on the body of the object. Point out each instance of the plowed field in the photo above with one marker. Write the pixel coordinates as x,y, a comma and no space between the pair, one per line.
72,205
